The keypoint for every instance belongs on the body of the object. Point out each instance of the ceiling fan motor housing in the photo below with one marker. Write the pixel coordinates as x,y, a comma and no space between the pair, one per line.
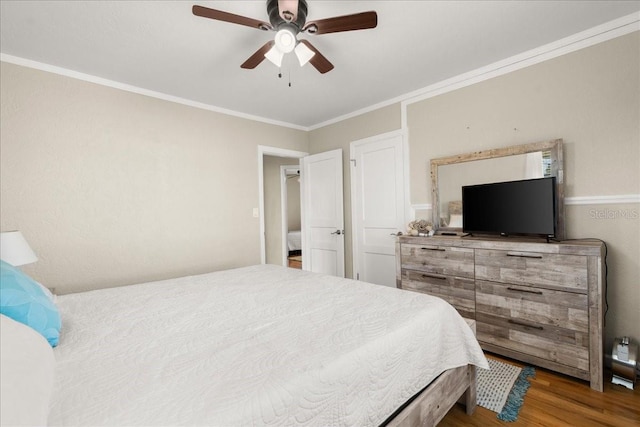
277,21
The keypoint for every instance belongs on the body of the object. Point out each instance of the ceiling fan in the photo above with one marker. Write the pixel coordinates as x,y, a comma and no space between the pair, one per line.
289,18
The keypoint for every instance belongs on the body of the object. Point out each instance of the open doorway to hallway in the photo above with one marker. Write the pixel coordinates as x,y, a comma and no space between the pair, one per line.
280,204
291,215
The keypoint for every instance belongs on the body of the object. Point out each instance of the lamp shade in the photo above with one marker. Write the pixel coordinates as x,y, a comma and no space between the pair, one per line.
15,250
303,53
275,56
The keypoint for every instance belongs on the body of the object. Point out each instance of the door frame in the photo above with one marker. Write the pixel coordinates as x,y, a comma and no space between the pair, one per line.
406,203
284,207
264,150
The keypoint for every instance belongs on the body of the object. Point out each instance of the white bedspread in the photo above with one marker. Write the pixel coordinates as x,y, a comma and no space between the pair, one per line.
261,345
294,240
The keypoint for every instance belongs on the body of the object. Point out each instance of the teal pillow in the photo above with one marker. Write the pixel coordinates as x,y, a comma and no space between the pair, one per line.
23,299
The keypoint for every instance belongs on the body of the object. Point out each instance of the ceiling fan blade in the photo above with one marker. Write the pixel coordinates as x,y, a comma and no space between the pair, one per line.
219,15
288,10
255,59
318,60
358,21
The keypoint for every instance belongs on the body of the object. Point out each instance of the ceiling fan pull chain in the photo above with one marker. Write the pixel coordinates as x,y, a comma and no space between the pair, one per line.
289,77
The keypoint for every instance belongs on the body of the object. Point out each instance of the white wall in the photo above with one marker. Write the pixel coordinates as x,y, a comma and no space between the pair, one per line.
113,188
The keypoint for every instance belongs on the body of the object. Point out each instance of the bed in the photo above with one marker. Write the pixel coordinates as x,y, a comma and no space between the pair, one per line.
294,241
260,345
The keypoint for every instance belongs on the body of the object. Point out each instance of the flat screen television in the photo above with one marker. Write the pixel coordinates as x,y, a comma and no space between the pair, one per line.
525,207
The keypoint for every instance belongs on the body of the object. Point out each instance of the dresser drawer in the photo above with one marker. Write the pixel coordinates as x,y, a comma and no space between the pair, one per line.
552,325
532,268
544,343
443,260
457,291
542,307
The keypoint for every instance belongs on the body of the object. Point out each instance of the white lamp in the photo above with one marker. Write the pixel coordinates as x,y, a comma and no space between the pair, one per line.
285,42
275,56
303,53
15,250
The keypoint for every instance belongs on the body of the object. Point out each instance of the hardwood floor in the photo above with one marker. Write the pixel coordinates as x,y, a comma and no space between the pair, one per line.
295,261
557,400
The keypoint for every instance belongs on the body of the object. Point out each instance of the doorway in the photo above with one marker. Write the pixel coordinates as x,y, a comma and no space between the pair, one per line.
322,216
272,240
291,216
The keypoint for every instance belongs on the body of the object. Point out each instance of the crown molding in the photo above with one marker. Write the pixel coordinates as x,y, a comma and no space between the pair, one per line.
601,33
16,60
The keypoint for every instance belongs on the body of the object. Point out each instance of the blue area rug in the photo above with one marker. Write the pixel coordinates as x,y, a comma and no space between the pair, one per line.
502,388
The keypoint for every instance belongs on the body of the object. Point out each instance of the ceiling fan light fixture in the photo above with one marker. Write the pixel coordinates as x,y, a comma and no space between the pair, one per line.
285,40
303,53
275,56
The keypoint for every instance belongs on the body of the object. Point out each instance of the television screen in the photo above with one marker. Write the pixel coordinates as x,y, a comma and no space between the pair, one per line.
514,207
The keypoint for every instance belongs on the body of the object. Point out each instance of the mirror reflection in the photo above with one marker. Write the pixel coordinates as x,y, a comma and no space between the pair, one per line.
454,176
518,162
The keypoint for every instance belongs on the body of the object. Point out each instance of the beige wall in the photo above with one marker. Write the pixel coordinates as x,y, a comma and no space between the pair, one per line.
294,221
114,188
340,135
591,99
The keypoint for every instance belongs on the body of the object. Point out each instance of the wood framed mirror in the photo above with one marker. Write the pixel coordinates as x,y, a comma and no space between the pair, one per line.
518,162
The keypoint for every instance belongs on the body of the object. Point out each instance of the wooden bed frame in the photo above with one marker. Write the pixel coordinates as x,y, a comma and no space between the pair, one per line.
433,403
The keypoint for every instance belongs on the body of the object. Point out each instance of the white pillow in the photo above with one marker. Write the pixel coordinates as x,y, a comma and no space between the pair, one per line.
26,384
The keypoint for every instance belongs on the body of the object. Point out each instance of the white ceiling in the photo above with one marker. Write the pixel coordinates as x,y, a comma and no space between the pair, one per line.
162,47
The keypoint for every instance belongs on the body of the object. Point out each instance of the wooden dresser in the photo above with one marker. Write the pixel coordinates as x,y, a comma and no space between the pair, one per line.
541,303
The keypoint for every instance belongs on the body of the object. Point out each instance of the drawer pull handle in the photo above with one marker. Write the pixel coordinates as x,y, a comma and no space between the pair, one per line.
434,276
433,249
522,255
529,291
526,325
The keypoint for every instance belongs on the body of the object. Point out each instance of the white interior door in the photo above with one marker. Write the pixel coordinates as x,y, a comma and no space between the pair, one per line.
322,215
378,199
